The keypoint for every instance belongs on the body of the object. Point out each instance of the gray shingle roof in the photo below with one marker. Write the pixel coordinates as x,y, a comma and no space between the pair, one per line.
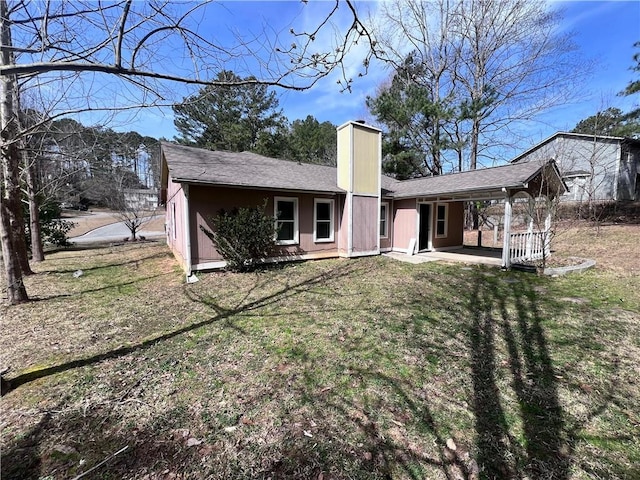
245,169
485,179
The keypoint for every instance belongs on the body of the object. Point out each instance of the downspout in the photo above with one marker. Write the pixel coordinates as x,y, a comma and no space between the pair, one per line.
187,234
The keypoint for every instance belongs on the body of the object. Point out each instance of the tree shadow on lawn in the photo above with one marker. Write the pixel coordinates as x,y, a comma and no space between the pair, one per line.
134,262
68,442
100,289
504,310
289,290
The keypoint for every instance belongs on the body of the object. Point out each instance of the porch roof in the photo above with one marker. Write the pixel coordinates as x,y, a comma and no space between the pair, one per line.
485,183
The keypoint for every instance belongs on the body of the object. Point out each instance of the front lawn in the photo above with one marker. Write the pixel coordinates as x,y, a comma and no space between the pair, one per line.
366,368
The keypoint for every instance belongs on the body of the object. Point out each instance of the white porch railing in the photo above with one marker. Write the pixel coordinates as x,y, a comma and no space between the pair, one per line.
528,246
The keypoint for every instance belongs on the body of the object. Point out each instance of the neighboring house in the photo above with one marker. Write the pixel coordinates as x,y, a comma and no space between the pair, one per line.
140,198
595,168
349,210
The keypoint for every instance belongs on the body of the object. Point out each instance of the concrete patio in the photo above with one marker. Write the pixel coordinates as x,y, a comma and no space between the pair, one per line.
477,255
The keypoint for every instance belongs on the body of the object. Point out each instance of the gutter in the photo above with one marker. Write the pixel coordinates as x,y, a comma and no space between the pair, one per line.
255,187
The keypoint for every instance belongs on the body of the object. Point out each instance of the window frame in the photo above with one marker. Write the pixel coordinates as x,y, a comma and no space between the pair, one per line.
385,219
331,220
296,232
444,221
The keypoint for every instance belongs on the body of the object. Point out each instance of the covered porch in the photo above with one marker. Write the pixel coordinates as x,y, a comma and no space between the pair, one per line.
529,190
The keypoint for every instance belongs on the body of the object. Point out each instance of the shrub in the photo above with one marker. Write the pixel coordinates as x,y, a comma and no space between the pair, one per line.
52,228
244,237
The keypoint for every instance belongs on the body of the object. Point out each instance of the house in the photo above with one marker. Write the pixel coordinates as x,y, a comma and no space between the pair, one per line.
595,168
140,198
345,211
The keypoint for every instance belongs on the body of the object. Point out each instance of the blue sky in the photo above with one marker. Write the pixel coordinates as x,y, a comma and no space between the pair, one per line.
604,31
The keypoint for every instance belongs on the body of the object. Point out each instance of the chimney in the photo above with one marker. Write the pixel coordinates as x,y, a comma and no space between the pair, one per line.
359,170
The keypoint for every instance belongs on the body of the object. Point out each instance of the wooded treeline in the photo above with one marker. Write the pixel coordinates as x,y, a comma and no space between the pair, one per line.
87,165
247,117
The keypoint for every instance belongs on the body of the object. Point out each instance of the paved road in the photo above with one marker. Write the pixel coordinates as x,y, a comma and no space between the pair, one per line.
114,232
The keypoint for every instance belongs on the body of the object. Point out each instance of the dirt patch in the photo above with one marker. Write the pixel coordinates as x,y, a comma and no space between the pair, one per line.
613,247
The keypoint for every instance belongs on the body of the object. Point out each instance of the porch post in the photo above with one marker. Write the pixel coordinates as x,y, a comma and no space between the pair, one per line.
532,206
547,233
506,246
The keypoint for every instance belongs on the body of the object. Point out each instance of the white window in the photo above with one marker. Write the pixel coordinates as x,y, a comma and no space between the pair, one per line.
323,220
441,221
384,222
286,215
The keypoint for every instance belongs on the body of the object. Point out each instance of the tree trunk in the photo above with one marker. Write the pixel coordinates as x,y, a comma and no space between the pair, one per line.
473,163
37,252
10,191
16,291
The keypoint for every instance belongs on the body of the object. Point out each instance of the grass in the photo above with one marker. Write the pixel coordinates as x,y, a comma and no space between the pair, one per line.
366,368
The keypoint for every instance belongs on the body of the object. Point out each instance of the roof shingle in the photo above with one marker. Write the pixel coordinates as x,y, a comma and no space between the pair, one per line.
245,169
485,179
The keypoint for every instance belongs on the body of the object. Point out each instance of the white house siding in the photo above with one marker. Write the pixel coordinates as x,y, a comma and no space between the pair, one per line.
594,169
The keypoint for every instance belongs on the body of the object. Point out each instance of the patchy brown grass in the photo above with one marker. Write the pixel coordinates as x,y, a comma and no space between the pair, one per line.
363,368
614,247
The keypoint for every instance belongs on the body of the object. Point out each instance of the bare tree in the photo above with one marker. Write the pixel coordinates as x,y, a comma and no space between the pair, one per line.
70,48
499,61
424,57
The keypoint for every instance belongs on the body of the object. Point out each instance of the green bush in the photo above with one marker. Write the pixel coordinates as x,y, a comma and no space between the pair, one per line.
244,237
52,228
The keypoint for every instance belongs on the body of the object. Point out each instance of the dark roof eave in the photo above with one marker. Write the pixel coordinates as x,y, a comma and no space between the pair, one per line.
194,181
464,191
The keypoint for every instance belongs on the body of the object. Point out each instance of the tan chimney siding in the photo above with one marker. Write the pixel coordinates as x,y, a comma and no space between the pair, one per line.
359,168
359,162
344,158
366,161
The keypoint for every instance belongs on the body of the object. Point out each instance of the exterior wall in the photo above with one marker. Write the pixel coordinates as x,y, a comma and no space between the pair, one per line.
455,226
206,201
403,223
175,221
344,158
366,229
598,159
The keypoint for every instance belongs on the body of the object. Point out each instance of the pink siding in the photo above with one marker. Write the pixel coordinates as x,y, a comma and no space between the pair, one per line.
343,234
403,221
206,201
176,226
366,230
455,227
